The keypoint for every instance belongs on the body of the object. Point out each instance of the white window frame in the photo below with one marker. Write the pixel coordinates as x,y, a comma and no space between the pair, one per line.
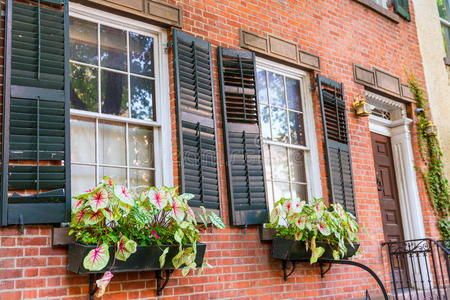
311,154
162,135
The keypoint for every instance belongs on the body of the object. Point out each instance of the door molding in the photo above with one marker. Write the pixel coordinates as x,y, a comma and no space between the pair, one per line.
392,122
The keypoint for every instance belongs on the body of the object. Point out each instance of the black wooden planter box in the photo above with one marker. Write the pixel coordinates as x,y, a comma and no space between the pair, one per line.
146,258
296,250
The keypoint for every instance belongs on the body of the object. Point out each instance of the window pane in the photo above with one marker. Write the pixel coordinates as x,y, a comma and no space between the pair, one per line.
262,86
267,166
299,191
113,48
293,94
297,165
111,143
443,9
83,178
83,88
279,125
141,54
140,140
297,129
265,122
118,175
280,190
141,178
82,140
276,90
114,93
280,169
142,99
83,41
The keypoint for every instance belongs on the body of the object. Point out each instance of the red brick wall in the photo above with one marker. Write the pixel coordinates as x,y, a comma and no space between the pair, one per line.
342,32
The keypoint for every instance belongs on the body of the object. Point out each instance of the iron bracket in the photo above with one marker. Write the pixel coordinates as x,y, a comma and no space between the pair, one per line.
285,269
323,261
160,285
92,289
322,271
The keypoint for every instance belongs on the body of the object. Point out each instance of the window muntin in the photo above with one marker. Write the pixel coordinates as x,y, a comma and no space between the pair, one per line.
114,124
286,152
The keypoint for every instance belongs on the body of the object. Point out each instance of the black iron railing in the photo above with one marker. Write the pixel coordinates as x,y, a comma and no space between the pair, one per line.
420,269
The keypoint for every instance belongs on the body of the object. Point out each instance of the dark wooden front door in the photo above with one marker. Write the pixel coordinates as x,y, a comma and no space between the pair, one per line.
388,195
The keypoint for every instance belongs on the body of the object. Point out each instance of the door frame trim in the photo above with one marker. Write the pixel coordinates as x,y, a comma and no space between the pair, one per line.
398,130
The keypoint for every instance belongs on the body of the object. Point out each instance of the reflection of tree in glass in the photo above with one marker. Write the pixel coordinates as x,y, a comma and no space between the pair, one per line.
83,88
113,48
276,90
83,41
141,54
114,93
141,98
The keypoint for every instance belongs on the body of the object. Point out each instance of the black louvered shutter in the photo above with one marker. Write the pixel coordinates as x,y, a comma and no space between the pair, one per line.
402,8
339,165
36,149
244,162
197,147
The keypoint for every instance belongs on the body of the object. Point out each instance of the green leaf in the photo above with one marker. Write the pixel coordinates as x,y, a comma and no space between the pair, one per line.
317,252
178,236
336,255
179,259
162,258
204,221
97,258
216,220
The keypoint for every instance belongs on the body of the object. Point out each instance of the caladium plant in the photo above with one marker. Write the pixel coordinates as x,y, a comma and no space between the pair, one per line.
314,222
111,217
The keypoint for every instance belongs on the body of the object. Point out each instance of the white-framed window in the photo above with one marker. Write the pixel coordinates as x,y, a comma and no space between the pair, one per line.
289,138
120,107
444,17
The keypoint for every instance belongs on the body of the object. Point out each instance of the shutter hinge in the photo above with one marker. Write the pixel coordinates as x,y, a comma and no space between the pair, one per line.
313,87
21,223
245,226
168,45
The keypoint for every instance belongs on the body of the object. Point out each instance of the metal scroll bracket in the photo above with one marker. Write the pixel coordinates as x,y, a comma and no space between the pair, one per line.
92,286
288,272
160,284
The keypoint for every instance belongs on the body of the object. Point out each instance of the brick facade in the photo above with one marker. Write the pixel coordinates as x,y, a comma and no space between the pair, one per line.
341,32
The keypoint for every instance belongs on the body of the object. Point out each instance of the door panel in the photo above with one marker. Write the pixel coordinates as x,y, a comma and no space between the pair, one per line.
388,196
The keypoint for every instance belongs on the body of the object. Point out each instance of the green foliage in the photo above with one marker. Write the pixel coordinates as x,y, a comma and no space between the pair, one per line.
110,215
311,222
433,172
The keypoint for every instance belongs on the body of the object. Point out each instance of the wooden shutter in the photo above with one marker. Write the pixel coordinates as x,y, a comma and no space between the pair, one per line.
339,166
402,8
197,146
244,162
36,150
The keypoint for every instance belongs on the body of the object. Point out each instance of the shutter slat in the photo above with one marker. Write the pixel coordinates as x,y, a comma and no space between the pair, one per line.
196,140
38,108
245,173
334,118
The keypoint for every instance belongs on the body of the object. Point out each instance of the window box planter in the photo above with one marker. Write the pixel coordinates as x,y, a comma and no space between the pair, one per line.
296,250
146,258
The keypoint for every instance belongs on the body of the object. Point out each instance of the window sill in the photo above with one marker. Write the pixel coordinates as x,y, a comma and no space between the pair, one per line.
380,10
447,60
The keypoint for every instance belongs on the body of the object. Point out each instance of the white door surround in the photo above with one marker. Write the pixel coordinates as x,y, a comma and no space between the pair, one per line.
389,119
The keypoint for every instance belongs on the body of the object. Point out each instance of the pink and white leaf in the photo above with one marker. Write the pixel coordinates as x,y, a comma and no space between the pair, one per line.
102,283
78,217
177,210
123,194
125,247
98,200
324,228
158,198
97,258
92,218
